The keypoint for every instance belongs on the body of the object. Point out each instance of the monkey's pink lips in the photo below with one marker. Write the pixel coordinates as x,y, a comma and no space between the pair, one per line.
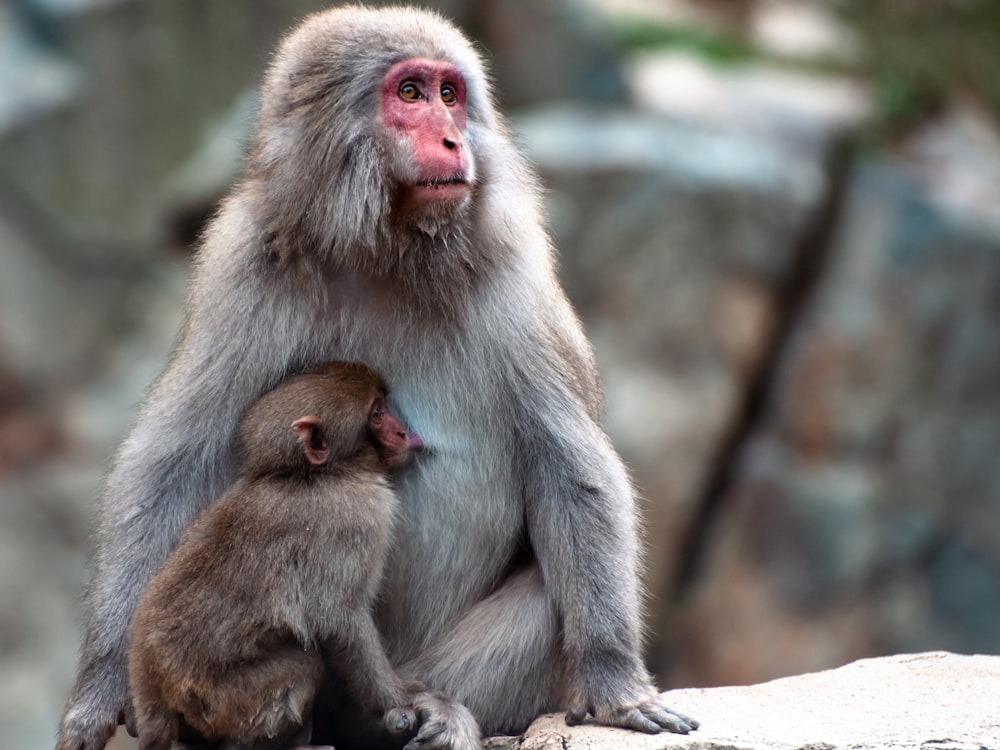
454,188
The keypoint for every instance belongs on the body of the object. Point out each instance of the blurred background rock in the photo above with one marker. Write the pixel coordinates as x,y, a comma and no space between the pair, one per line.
779,220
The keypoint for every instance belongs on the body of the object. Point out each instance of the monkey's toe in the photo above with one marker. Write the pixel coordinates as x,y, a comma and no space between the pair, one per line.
650,717
669,719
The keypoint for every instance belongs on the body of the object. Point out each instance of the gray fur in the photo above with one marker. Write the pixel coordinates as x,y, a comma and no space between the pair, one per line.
485,358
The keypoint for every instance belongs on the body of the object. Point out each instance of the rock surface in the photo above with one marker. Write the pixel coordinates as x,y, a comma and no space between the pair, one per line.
938,701
930,701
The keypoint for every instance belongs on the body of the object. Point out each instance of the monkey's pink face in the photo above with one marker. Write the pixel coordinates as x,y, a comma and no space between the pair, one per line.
423,103
394,442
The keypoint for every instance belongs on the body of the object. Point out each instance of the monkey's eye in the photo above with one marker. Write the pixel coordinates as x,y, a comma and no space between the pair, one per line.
448,95
376,414
409,90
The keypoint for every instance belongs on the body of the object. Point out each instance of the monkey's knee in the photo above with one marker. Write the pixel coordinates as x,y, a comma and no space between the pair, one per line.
513,637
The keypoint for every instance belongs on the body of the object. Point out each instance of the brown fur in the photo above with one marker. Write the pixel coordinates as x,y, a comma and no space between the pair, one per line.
275,583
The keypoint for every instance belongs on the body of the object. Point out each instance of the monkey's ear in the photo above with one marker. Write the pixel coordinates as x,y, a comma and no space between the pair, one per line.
309,431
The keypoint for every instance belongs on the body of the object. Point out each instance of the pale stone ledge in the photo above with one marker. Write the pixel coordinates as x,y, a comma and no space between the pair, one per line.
930,701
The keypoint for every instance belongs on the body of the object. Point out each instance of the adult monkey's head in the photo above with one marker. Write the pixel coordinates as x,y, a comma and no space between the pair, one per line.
374,137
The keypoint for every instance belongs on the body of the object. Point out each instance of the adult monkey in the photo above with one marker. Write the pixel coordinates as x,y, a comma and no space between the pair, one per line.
386,218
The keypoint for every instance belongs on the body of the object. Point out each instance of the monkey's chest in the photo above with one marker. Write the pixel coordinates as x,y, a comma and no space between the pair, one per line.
461,524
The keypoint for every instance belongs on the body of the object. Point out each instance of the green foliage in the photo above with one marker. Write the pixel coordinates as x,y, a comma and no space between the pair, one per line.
919,54
717,46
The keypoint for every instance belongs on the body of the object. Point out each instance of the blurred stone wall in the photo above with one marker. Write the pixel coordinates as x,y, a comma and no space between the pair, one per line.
798,337
861,515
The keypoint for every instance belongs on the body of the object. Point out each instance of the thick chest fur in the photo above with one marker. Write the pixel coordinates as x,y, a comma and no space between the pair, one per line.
447,383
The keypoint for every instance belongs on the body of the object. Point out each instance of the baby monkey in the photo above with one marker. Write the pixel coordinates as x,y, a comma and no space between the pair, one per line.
272,588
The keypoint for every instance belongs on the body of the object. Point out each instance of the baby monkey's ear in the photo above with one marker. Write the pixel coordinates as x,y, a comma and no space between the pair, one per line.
309,431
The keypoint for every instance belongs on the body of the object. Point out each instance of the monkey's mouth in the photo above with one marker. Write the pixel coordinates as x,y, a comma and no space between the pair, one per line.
444,183
451,191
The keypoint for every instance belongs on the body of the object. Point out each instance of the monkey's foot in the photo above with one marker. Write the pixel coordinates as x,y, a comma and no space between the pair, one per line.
444,724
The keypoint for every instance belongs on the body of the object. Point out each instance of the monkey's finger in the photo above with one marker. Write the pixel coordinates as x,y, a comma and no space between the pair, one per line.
444,725
400,721
432,735
576,715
